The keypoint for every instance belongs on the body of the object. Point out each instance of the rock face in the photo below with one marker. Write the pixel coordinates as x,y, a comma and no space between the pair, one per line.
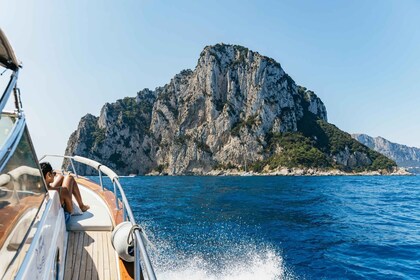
403,155
221,115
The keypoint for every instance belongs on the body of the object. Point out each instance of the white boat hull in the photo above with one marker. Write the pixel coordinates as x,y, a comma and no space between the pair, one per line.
46,254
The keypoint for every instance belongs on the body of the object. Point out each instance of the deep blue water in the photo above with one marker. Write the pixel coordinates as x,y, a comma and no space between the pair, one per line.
280,227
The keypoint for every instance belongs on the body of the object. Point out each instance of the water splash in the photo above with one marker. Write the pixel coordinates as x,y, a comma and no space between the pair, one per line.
242,259
264,266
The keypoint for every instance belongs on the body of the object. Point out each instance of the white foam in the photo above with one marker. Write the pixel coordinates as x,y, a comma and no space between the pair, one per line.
241,259
263,266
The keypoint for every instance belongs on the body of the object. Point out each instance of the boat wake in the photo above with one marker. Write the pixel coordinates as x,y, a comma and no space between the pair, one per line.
231,260
262,266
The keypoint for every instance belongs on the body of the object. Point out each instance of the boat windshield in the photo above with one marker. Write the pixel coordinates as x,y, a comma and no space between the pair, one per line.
22,192
6,124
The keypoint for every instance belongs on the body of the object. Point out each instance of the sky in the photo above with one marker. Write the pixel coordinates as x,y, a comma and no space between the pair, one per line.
362,58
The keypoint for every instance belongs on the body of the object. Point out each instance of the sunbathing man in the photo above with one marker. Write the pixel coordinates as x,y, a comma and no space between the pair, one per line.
66,185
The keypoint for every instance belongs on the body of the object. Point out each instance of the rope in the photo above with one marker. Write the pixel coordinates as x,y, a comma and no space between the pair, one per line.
131,234
143,234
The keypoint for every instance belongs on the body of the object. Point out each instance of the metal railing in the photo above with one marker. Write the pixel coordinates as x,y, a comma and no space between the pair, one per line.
139,248
9,88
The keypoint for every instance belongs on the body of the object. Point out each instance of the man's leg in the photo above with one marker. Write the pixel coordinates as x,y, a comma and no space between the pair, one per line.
65,197
73,188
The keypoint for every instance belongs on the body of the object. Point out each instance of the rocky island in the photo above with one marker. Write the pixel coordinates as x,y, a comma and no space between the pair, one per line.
236,112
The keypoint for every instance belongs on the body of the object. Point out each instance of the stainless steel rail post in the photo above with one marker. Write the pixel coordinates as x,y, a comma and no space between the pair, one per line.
100,180
116,196
137,260
72,166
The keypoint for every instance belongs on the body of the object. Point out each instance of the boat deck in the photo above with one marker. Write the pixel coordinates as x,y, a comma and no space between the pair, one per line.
90,256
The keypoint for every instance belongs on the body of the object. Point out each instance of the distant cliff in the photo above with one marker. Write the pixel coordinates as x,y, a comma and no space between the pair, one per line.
403,155
237,110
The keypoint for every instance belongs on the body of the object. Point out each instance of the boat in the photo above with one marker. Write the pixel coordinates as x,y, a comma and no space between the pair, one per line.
105,242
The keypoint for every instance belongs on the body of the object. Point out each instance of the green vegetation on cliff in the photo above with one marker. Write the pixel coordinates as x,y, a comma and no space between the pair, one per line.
134,114
296,150
319,144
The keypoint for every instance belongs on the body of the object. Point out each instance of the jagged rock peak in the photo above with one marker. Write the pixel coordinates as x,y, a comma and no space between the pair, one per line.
315,105
226,55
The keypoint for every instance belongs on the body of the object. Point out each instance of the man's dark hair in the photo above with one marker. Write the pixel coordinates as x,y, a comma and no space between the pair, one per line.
46,167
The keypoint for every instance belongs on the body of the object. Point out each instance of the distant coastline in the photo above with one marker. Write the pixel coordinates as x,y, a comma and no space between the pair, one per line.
293,172
404,156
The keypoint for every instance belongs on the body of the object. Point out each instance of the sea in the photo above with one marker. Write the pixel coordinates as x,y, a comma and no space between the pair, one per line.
332,227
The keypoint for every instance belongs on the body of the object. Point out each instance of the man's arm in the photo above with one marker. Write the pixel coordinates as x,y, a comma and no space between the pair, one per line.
58,182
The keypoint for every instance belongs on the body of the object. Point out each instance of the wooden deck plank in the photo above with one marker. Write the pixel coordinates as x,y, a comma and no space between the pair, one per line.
69,256
95,256
89,256
70,264
100,257
77,257
112,258
83,259
107,274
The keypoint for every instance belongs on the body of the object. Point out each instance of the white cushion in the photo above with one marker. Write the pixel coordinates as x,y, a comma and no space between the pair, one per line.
96,218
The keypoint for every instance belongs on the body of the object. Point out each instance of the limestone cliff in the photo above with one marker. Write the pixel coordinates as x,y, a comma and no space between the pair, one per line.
234,110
